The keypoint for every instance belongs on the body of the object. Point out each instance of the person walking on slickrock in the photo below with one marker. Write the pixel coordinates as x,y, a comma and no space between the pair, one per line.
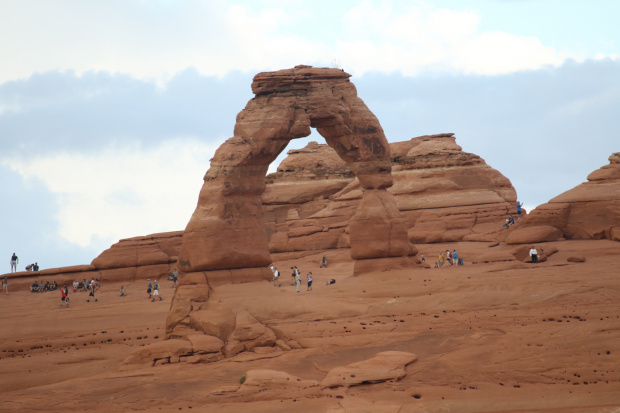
64,296
149,287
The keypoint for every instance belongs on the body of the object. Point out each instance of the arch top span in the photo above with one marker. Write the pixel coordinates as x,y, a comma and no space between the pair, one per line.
226,230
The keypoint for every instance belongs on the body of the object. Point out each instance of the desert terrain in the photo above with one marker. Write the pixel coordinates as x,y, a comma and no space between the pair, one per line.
494,336
394,333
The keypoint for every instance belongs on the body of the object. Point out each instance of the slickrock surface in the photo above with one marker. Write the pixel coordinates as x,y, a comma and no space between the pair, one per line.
500,336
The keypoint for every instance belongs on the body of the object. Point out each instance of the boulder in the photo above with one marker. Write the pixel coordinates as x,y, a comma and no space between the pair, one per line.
533,235
388,365
167,350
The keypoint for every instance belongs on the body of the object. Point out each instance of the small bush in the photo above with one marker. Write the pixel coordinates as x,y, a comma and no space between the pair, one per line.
242,379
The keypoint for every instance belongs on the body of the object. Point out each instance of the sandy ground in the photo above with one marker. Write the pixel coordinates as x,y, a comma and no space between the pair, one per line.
496,337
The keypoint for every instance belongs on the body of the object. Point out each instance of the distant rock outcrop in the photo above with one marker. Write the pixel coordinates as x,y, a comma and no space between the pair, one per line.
591,210
443,194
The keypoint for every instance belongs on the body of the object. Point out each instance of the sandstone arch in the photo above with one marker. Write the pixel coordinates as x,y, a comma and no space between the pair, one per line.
225,240
226,230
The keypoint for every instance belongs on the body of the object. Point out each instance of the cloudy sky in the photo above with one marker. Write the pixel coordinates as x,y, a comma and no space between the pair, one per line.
110,110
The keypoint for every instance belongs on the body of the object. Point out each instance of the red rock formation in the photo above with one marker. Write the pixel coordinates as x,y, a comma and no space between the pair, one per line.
588,211
142,257
226,230
226,240
442,193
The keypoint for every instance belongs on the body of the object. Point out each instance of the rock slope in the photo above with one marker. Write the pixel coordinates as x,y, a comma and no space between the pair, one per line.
591,210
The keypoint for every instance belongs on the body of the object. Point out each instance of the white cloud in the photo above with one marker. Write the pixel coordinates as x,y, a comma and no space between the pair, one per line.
122,191
421,38
155,39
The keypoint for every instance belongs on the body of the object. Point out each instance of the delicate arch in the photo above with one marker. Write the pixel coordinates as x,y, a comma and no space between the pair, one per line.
226,230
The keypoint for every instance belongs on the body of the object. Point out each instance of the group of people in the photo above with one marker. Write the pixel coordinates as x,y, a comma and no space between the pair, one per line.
90,286
452,258
32,267
152,289
42,287
15,260
295,275
510,221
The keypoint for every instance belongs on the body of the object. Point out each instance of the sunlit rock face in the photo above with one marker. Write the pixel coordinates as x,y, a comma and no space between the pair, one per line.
442,193
226,239
591,210
227,230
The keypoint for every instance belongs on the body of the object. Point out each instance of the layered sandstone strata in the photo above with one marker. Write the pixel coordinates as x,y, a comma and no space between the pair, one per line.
443,194
591,210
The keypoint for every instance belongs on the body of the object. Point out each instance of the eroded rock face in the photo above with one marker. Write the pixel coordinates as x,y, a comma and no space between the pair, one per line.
443,194
152,256
227,231
591,210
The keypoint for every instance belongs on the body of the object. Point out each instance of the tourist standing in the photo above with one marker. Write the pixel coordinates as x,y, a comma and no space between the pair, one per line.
309,278
297,280
14,262
534,254
5,285
156,291
455,257
149,287
276,277
92,287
